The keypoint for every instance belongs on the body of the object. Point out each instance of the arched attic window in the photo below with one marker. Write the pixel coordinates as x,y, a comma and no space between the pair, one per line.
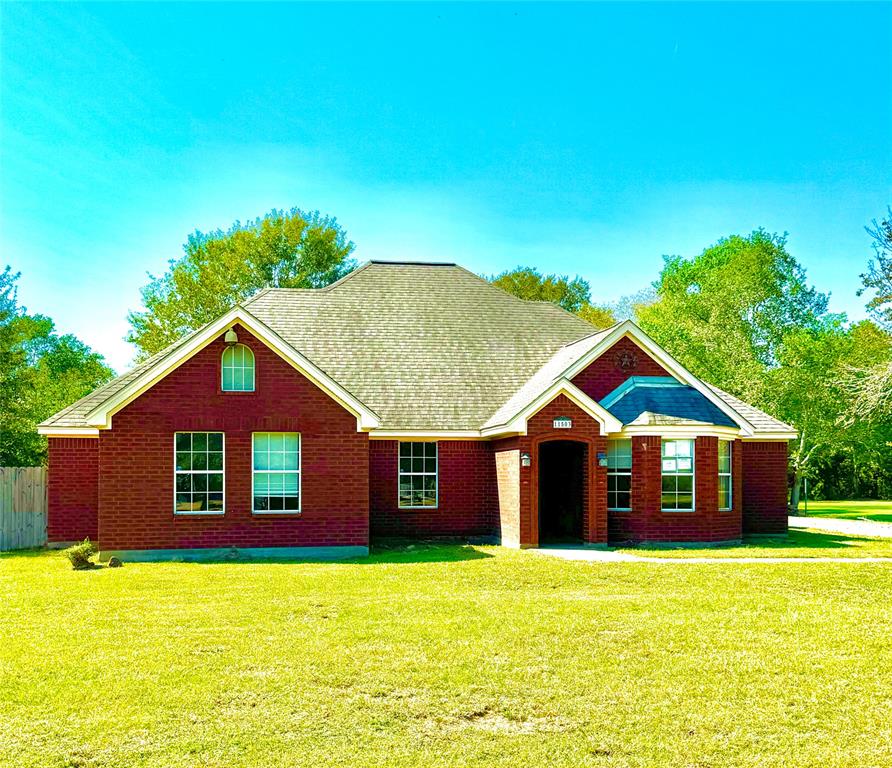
238,369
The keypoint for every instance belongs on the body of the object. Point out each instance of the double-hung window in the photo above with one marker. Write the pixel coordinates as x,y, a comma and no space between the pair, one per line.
418,475
619,475
678,476
198,473
726,487
276,476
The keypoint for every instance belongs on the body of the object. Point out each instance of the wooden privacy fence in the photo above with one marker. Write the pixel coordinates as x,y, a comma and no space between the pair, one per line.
22,507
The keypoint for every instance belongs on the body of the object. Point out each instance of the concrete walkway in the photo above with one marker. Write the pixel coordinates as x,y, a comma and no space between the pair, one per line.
592,555
843,525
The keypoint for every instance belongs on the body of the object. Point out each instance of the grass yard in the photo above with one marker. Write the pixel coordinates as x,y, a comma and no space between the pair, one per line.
445,655
797,543
878,511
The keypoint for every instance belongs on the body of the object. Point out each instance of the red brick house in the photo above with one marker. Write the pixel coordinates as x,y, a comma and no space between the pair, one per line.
409,400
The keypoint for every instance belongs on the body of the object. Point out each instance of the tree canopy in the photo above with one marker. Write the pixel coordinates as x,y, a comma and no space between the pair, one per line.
284,249
878,278
573,295
40,373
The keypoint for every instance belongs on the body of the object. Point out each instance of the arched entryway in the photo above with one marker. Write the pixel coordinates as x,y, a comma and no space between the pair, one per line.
561,485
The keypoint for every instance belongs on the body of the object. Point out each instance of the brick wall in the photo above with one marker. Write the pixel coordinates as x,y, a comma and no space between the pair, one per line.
136,493
73,489
466,492
646,521
604,375
765,487
508,471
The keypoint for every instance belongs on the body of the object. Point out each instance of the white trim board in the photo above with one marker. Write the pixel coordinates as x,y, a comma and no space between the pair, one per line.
518,423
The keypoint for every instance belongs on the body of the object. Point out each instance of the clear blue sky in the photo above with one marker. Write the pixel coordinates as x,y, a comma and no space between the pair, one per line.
587,139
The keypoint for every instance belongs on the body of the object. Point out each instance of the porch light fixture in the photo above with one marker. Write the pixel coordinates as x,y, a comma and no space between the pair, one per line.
602,459
231,337
525,460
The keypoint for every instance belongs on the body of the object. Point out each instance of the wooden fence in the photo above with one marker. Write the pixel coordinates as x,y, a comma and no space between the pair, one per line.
22,507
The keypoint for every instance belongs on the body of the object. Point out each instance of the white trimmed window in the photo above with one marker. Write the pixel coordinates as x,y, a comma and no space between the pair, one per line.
198,473
619,475
726,486
678,476
417,475
238,369
276,473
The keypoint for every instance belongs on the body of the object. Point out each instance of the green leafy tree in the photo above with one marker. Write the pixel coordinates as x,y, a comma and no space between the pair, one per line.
40,373
573,295
878,277
284,249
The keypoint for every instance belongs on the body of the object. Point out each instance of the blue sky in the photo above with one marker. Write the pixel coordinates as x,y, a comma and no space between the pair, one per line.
587,139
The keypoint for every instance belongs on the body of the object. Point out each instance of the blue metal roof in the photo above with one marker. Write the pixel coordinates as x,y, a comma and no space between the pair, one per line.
665,400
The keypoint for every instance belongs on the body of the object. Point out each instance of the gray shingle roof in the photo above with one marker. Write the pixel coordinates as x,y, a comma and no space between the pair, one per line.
426,346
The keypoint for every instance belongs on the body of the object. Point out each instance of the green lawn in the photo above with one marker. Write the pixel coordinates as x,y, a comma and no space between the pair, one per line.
445,656
880,511
797,543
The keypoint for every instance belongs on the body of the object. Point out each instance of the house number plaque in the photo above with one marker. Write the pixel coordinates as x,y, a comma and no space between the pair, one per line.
563,422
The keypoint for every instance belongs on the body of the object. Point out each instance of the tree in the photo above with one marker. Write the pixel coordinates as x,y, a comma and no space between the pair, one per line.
741,316
40,373
573,295
878,277
284,249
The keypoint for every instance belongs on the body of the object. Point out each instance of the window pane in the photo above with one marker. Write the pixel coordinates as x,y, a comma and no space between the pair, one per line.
199,482
405,465
685,483
405,450
669,448
275,484
290,441
276,441
184,461
199,461
669,465
199,442
289,484
261,484
215,441
215,502
261,442
430,465
276,460
291,461
215,461
418,465
261,460
215,482
292,503
184,483
623,482
624,500
668,501
276,503
184,441
669,483
260,503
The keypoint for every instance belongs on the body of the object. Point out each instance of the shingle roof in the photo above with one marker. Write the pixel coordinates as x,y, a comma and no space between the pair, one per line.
759,419
426,346
651,400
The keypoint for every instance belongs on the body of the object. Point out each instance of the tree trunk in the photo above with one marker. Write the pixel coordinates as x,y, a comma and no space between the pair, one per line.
794,492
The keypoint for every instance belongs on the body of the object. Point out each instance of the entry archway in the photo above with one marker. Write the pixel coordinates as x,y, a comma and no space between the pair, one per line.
562,491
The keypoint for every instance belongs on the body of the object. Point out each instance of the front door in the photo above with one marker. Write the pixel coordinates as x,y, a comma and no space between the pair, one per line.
561,491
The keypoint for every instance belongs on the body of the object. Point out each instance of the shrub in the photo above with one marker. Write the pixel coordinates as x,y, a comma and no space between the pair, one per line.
79,555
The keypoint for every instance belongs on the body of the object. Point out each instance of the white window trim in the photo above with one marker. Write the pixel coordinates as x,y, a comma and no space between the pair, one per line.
300,475
729,474
693,476
620,472
242,368
206,512
400,473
